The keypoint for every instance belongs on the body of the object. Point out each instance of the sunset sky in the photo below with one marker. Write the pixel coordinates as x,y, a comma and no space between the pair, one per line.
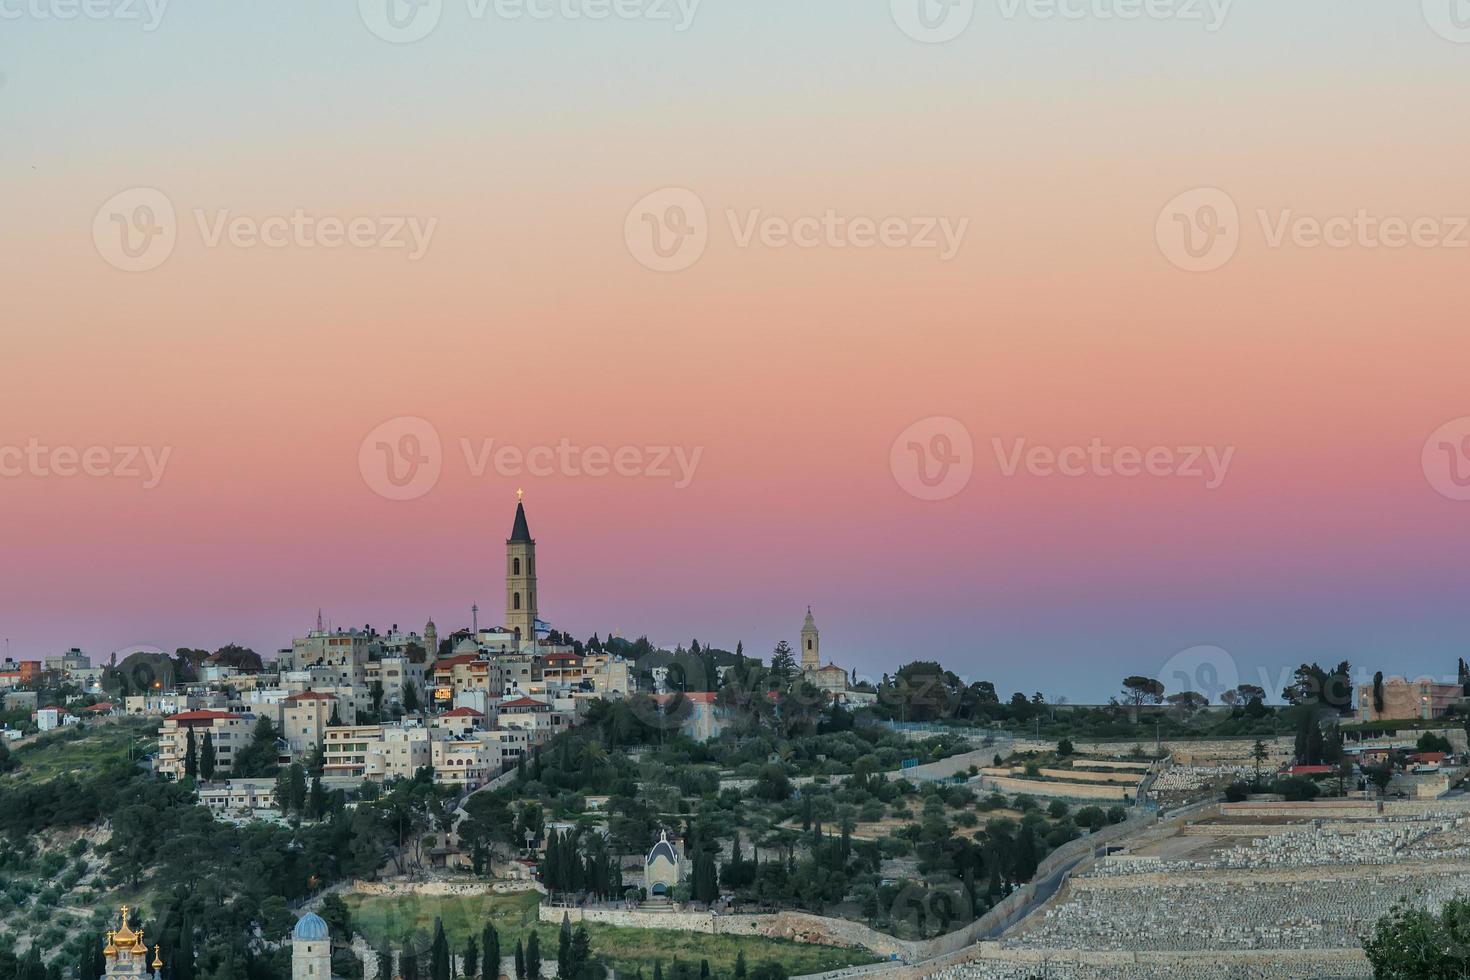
529,319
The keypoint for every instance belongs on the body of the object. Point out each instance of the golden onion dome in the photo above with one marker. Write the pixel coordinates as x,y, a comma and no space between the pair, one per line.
125,936
157,962
109,949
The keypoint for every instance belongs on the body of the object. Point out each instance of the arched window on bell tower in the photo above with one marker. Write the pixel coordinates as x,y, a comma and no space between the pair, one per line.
515,566
516,600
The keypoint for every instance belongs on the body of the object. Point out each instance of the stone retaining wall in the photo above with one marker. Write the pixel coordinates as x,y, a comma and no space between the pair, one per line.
1070,791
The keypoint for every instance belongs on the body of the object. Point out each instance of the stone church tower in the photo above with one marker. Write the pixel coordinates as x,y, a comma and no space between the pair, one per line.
311,949
520,579
431,640
811,643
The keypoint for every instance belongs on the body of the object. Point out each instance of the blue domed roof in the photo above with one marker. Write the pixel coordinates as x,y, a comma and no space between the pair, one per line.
310,926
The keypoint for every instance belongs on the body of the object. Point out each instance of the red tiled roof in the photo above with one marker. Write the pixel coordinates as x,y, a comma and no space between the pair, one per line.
449,663
464,713
703,697
561,656
99,706
312,696
200,716
524,702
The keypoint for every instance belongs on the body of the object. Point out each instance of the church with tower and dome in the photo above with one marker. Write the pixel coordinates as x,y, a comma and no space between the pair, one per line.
126,953
829,677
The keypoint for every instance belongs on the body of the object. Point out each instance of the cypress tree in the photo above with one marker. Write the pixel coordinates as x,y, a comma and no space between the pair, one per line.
520,961
191,755
439,953
564,948
740,964
471,963
207,757
385,962
490,946
533,956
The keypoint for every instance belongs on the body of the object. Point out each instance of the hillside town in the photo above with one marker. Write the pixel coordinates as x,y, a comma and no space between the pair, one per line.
427,790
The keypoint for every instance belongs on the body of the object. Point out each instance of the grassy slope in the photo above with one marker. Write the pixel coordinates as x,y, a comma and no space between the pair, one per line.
72,751
514,916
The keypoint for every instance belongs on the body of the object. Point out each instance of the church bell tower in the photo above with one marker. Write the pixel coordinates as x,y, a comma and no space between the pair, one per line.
520,578
811,643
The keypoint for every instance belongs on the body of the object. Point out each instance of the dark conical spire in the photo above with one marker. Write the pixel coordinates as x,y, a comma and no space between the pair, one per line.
520,532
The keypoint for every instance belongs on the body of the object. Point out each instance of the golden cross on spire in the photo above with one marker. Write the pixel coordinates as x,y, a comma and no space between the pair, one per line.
519,495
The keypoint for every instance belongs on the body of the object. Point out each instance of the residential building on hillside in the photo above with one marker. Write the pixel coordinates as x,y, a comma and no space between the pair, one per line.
229,732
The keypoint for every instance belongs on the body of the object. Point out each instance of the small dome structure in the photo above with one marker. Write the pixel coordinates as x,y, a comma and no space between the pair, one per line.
310,926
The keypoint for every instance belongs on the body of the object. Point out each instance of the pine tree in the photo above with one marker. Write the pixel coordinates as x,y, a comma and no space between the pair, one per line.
207,758
191,755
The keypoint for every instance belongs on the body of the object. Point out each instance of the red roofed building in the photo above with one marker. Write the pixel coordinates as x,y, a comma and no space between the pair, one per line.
537,718
229,732
460,721
1311,770
702,716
